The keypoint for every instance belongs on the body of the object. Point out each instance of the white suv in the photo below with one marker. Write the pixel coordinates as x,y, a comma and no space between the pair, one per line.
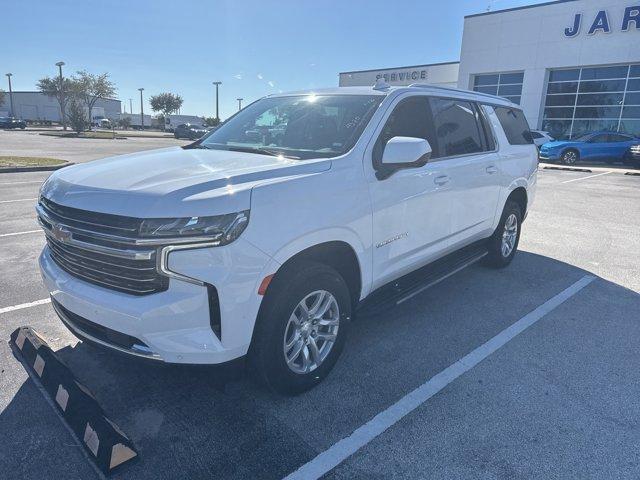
263,237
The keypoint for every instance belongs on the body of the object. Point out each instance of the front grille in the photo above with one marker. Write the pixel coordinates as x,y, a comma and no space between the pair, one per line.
101,249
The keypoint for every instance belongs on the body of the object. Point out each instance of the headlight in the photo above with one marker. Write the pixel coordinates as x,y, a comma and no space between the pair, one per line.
222,228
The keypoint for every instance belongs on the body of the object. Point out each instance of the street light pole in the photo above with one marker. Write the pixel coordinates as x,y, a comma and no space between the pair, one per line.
217,84
11,114
240,103
62,101
131,106
141,109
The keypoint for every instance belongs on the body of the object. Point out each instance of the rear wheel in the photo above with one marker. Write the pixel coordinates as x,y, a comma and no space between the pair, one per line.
570,157
502,245
301,328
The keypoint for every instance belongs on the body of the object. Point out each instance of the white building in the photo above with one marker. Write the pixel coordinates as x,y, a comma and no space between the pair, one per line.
38,106
573,65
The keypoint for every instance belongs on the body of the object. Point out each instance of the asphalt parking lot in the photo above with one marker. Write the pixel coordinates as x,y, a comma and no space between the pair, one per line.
559,400
31,144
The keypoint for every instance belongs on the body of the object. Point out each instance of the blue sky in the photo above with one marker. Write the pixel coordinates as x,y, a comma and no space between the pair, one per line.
254,47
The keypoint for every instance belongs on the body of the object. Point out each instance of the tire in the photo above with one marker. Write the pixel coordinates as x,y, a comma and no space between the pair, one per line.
275,328
570,157
498,256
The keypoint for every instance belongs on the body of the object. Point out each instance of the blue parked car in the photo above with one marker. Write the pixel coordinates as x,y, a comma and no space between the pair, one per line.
599,146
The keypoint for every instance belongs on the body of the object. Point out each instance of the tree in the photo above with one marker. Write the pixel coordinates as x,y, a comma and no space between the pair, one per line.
89,88
60,90
166,102
77,117
2,95
211,121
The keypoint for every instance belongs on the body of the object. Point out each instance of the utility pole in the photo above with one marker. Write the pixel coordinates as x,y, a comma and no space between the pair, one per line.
62,101
240,103
141,109
11,114
130,106
217,84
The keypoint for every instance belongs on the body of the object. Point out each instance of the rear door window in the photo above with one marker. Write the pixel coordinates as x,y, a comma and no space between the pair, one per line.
457,127
515,125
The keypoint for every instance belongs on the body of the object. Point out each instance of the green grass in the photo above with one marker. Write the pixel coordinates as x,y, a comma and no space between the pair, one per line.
11,161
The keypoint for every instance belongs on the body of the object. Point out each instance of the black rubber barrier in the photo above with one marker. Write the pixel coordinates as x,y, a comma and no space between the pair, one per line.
105,443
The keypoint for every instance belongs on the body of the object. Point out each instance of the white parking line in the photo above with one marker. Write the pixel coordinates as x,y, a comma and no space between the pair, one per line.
346,447
18,200
21,183
19,233
590,176
25,305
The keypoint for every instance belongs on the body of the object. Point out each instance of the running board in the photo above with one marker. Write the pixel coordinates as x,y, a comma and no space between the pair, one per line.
416,282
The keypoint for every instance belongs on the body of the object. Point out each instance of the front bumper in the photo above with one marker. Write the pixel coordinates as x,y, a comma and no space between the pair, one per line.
172,326
548,156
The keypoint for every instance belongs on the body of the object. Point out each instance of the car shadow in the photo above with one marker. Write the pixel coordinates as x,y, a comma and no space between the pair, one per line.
197,422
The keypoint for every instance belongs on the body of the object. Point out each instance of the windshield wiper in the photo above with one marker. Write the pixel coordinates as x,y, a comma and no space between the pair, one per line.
262,151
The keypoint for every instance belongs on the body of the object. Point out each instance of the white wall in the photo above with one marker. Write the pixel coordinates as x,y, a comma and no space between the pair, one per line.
444,74
37,106
533,40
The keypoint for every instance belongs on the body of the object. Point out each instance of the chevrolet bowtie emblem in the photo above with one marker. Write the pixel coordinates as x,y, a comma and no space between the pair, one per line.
60,233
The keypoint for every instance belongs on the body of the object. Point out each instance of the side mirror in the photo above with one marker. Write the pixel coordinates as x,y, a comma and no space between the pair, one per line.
403,152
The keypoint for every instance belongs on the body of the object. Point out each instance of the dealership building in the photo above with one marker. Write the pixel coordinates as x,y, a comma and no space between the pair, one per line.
36,106
573,65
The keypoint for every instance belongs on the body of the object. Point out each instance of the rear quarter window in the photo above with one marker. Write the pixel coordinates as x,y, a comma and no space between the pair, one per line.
515,125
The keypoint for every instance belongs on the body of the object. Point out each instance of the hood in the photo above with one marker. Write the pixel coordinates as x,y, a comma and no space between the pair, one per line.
558,143
171,182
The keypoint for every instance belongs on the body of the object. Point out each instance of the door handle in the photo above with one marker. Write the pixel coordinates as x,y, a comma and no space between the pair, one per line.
441,180
491,169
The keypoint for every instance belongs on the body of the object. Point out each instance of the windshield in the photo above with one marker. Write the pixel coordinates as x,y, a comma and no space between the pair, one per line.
300,127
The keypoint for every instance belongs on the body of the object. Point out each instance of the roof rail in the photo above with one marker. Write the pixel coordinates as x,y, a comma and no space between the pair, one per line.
451,89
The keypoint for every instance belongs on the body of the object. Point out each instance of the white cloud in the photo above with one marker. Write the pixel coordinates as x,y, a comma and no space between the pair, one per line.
260,77
271,84
238,76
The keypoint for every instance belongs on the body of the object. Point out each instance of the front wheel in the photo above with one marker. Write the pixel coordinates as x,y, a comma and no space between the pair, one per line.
301,328
502,245
570,157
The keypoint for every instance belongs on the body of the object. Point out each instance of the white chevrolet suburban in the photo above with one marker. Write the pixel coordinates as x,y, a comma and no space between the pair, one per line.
262,238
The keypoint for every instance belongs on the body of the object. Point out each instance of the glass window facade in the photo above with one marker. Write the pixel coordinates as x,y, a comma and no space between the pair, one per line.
583,100
508,85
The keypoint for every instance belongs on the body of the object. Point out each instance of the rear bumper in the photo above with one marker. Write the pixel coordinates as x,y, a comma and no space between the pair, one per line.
173,326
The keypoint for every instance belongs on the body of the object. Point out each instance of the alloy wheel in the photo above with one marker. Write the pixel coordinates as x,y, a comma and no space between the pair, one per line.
311,331
509,235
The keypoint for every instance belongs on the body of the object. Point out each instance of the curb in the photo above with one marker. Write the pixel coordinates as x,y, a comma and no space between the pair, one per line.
104,443
590,169
48,168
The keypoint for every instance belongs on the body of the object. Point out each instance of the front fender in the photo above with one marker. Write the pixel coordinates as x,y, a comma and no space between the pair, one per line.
317,237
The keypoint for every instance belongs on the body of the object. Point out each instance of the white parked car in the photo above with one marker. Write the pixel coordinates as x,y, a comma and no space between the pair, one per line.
262,238
541,137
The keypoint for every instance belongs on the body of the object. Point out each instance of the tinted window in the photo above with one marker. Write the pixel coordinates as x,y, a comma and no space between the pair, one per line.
511,77
618,138
561,100
515,125
457,127
486,80
602,86
563,75
602,138
535,135
410,118
604,72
